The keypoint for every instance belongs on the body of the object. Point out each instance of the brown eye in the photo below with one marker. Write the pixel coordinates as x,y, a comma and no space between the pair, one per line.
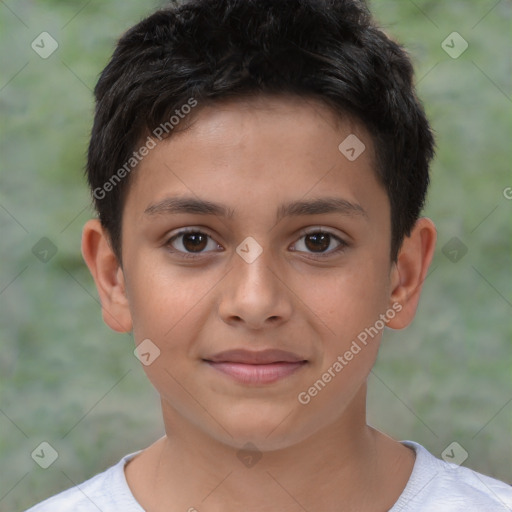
194,242
318,243
190,243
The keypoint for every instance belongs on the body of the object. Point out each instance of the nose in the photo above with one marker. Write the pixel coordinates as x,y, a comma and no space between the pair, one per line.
253,295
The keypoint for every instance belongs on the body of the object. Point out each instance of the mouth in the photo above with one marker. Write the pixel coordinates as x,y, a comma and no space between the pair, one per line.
262,367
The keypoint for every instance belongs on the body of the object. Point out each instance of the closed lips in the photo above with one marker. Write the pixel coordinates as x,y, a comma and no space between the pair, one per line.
256,368
252,357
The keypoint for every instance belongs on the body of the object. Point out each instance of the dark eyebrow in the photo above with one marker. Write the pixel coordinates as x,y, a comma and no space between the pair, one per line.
174,205
320,206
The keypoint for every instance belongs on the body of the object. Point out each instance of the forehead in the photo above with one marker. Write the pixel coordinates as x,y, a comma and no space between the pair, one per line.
266,116
276,147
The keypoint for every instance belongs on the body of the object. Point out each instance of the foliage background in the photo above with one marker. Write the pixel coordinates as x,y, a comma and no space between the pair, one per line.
66,379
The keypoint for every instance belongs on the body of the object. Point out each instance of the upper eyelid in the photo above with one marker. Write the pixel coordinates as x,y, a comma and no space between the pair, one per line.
316,229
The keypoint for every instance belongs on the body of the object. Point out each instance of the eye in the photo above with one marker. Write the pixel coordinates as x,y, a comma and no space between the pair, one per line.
191,243
318,241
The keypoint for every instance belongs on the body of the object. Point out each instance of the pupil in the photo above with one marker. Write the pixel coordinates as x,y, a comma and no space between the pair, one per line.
196,240
323,238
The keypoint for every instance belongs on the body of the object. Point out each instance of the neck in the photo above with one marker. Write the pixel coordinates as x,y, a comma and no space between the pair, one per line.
347,462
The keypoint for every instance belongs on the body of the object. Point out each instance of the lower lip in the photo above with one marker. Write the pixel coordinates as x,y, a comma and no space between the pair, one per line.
257,373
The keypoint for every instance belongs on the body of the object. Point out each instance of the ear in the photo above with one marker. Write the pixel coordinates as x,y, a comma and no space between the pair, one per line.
108,276
410,270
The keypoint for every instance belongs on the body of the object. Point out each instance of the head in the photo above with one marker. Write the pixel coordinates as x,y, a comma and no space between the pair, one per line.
292,129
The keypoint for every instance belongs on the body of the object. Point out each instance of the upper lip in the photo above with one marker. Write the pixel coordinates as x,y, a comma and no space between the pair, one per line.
255,357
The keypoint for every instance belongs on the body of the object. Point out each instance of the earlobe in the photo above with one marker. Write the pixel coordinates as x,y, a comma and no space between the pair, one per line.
410,271
108,276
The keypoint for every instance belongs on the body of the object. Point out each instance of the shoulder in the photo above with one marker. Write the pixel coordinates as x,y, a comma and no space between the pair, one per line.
106,491
436,485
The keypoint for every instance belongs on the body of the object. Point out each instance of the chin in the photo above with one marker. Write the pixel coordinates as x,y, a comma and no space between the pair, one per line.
267,430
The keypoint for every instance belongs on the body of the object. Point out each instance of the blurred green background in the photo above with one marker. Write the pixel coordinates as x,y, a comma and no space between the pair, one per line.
65,378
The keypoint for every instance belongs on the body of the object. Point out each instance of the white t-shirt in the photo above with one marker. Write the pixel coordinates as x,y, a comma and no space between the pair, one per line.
434,486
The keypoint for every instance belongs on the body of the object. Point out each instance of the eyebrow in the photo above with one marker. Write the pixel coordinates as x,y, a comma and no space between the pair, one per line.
176,205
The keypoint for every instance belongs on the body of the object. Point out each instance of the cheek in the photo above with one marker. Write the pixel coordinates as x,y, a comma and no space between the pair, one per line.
165,301
349,342
347,300
169,308
347,307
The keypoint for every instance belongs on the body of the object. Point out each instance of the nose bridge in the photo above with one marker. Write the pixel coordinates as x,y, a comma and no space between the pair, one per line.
252,293
253,269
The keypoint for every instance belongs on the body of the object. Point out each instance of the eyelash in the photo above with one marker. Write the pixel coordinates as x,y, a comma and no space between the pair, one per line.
341,247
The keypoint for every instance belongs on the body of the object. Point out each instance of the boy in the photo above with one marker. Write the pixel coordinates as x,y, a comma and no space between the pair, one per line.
230,138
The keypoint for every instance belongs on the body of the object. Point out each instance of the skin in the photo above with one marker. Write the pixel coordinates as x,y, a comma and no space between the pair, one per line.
252,156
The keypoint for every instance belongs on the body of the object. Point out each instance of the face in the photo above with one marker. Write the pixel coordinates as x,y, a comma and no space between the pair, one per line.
254,293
